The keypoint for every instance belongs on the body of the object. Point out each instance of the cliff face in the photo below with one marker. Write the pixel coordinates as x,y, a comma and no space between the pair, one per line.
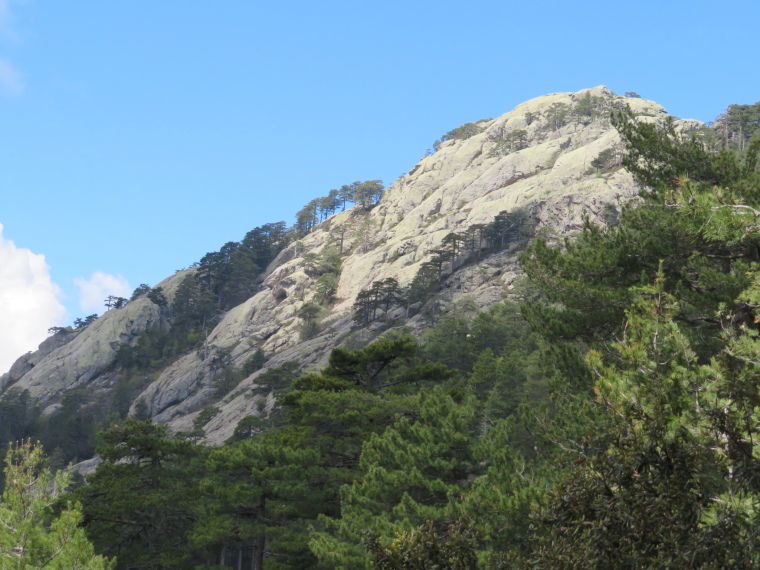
71,359
536,159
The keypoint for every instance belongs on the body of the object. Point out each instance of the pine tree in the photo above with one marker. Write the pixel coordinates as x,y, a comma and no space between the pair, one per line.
267,490
262,494
424,478
412,473
701,228
663,483
140,503
654,423
31,536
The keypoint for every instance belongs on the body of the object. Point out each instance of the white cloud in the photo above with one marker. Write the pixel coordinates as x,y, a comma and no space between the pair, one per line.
29,301
93,291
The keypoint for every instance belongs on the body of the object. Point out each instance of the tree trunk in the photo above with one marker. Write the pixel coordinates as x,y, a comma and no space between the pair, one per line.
257,561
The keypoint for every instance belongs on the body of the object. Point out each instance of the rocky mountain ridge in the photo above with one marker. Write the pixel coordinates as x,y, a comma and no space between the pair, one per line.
541,158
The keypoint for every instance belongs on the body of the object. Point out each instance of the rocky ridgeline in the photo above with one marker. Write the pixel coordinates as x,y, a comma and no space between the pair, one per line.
538,158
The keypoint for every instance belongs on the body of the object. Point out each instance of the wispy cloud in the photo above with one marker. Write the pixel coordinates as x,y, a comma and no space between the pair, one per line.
29,301
11,81
93,291
6,19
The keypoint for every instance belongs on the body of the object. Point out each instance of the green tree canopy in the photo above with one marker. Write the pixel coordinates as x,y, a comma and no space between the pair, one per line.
31,535
139,504
652,323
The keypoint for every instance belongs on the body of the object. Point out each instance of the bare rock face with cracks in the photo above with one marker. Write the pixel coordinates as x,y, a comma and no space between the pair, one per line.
553,159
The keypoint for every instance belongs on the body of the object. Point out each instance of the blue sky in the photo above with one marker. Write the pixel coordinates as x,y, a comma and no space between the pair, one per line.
137,136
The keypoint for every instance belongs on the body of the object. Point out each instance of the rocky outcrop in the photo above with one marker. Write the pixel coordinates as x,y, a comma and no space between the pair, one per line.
71,359
26,362
466,182
537,157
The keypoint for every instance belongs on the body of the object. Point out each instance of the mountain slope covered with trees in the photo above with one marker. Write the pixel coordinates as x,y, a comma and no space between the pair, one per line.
384,391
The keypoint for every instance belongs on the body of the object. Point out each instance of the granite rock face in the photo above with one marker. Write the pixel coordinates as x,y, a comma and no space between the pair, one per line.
536,158
28,361
72,359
